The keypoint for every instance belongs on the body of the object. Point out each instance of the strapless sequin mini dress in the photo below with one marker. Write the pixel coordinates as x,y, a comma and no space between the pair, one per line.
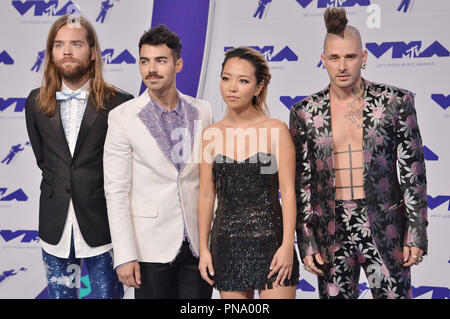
248,227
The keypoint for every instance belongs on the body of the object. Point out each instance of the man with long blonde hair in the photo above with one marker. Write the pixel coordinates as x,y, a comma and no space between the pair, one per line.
66,120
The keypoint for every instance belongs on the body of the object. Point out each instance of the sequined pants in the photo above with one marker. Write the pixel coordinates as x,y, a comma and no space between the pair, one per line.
357,249
64,276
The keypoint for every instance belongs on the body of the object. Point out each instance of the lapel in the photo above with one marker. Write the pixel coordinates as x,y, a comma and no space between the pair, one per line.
56,122
89,117
153,123
190,116
151,120
371,124
324,134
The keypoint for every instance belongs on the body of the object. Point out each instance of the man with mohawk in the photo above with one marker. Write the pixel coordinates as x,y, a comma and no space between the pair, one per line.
353,209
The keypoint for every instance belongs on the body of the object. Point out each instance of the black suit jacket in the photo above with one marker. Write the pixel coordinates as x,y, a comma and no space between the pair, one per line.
79,177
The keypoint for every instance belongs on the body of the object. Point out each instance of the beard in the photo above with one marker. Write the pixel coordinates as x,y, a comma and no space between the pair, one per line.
74,72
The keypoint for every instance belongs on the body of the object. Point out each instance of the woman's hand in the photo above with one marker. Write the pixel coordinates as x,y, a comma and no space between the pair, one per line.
282,264
205,266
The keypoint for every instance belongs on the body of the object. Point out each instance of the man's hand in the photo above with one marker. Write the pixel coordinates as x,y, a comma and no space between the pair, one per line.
130,274
411,256
310,266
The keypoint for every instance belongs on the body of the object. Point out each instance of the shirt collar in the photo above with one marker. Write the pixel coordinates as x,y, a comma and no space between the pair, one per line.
65,88
160,109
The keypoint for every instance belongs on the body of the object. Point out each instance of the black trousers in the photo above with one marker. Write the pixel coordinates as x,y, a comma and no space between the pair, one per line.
179,279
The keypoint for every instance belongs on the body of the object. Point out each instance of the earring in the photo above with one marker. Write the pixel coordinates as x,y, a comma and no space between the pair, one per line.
363,66
254,100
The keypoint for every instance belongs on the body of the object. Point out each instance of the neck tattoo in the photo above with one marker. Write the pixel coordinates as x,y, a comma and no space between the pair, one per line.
356,106
358,92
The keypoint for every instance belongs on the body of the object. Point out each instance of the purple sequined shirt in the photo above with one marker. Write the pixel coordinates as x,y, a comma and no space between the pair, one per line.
169,121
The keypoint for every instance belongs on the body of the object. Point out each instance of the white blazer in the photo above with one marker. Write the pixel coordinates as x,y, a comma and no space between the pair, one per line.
144,191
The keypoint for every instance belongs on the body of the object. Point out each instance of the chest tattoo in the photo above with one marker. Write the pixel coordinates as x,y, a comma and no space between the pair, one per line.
350,169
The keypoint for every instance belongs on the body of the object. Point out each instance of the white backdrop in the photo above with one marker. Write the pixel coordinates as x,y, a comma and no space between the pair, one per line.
406,49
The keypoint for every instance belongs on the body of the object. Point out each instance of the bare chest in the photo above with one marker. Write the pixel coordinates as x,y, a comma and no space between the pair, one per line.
347,123
347,128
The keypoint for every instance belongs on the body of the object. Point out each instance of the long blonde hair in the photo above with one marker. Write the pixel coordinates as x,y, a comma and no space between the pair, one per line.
99,90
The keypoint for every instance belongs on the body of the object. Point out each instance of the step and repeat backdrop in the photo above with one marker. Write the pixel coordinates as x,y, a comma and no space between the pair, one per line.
408,46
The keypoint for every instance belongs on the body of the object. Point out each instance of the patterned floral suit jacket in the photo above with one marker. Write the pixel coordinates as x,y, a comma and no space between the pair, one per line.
396,206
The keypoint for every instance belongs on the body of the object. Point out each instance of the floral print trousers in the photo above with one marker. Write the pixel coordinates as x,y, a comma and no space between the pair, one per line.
355,249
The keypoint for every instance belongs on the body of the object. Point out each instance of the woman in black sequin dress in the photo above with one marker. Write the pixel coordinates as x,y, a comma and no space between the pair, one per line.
246,158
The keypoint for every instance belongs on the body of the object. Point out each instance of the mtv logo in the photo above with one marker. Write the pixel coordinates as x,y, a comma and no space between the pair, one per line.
5,58
105,9
18,195
304,3
320,64
305,286
10,273
41,7
334,3
410,50
125,56
19,102
436,292
437,201
429,154
268,52
442,100
28,235
14,151
39,61
289,102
